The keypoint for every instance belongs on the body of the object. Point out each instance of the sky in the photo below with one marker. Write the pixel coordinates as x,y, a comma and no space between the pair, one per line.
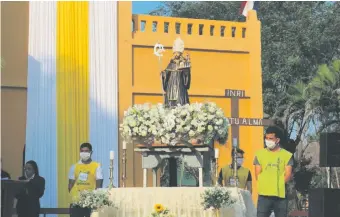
144,7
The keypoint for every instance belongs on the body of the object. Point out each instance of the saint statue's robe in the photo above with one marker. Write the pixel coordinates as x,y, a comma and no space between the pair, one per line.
176,82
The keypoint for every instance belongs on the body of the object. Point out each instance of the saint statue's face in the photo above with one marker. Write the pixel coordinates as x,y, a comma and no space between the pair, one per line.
177,55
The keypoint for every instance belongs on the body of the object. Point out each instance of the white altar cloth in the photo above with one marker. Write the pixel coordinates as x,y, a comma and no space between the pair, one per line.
182,202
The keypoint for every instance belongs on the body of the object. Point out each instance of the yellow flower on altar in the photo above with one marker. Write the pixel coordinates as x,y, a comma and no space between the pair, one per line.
159,208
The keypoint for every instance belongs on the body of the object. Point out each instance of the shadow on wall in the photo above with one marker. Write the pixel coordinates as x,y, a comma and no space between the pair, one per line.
41,123
104,137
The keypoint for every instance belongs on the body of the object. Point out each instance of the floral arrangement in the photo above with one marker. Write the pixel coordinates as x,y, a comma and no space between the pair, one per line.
161,211
94,200
215,198
148,124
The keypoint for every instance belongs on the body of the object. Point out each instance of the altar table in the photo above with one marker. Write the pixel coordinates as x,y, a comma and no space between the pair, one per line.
182,202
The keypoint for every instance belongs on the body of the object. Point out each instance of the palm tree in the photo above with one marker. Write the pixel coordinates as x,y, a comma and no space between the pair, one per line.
324,92
315,103
326,96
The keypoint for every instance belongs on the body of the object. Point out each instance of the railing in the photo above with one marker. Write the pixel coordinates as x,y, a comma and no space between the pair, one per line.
50,211
171,25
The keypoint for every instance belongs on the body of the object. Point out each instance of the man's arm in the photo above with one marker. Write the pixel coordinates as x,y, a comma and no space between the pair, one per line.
99,177
71,178
249,183
70,184
220,178
99,183
288,170
258,168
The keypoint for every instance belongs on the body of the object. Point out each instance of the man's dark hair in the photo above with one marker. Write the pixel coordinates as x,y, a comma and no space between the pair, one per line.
275,130
238,151
86,145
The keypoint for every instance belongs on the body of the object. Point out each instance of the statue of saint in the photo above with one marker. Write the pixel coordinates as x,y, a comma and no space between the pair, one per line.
176,77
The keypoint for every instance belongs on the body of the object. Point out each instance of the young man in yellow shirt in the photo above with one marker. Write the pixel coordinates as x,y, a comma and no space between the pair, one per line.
84,175
273,169
226,175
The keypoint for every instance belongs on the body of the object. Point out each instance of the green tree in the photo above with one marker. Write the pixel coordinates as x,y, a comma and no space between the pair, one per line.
312,104
325,96
316,101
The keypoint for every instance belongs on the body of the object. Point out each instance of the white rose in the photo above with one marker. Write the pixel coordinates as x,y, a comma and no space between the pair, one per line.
194,122
201,117
219,113
191,133
200,129
144,133
211,109
210,117
132,123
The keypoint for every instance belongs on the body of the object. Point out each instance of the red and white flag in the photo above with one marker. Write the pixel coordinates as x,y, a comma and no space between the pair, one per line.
247,6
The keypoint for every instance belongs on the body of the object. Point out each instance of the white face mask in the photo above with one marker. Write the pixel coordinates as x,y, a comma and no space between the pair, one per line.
239,161
270,144
84,156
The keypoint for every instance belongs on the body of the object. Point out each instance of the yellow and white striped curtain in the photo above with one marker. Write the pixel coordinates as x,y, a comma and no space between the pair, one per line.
72,89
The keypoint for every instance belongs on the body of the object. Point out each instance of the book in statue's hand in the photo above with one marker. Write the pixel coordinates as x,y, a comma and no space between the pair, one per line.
185,65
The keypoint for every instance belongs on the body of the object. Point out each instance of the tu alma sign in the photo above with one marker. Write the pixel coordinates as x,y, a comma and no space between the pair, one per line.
250,121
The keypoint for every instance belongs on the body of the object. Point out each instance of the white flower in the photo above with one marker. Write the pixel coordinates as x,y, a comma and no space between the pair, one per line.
219,114
194,122
219,122
187,128
184,113
211,109
210,117
132,123
170,125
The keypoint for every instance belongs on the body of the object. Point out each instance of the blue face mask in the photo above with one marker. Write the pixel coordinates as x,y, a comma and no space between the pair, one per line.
239,161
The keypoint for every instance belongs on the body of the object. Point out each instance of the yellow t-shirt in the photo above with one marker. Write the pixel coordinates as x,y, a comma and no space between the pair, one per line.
271,179
85,176
227,173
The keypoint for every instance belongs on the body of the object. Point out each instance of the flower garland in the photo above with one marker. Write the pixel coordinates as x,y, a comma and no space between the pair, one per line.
182,124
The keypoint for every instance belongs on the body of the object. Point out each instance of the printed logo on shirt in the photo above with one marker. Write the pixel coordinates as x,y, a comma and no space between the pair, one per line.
83,177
